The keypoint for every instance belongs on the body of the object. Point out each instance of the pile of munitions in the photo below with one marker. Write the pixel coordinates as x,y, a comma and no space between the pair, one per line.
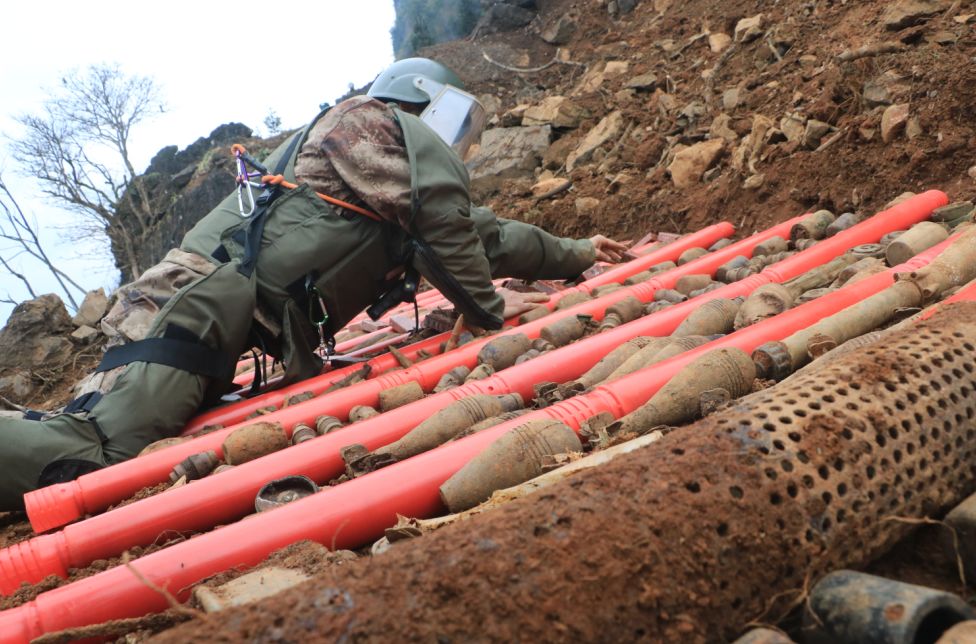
822,399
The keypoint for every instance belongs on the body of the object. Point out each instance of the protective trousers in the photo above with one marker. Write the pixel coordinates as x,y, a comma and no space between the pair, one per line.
140,402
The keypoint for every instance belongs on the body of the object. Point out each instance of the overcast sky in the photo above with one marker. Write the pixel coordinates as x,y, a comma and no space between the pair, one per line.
298,55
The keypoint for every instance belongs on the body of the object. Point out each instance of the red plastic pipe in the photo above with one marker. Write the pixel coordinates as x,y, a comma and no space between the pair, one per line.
235,413
59,504
229,496
357,511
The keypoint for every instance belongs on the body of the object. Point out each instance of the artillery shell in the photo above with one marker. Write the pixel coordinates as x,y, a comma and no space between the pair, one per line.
624,311
534,314
691,254
766,301
688,283
528,355
720,244
714,316
606,288
480,372
453,378
284,490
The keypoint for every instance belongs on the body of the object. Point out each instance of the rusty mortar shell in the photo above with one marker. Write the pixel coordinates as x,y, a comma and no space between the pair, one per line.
163,443
761,262
679,401
959,225
643,276
301,433
890,237
819,276
803,244
657,351
637,278
516,457
277,493
400,395
223,467
669,295
812,294
195,466
253,441
813,226
488,423
622,312
845,221
654,307
606,288
954,266
501,352
865,264
449,422
327,424
528,355
864,273
765,302
610,362
453,378
771,246
764,636
736,274
541,345
572,300
720,244
919,237
688,283
857,319
848,607
714,316
361,412
534,314
714,286
867,250
480,372
691,254
845,348
953,212
721,273
564,331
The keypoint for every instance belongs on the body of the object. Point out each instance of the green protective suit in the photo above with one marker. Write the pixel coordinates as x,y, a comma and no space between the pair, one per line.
457,247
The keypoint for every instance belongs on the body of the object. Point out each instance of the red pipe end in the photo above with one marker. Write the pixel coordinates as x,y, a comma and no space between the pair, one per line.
29,561
54,506
20,625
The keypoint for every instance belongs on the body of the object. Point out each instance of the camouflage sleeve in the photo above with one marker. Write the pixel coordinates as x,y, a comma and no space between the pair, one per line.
356,153
517,249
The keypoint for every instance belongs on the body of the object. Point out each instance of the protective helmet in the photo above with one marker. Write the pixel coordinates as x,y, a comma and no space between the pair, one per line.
398,82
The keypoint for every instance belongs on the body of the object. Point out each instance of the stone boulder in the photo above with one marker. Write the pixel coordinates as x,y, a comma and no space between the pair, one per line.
35,335
608,128
508,152
907,13
557,111
692,162
92,309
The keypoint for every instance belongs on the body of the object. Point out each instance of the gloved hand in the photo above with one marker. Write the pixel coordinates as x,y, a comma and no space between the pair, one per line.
518,303
607,250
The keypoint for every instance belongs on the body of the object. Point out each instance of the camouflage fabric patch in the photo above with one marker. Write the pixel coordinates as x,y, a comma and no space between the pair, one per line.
356,153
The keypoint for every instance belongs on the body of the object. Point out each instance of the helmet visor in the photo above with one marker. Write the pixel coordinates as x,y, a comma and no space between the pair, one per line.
457,117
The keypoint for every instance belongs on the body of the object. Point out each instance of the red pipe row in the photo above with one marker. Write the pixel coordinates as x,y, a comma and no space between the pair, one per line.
229,496
237,412
358,511
59,504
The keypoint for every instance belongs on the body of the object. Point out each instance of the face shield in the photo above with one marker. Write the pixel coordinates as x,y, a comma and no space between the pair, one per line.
456,116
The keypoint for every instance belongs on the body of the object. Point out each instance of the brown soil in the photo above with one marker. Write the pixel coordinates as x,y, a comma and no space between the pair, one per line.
724,522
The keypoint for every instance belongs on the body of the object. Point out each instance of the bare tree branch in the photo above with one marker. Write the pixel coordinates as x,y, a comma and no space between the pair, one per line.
16,227
94,109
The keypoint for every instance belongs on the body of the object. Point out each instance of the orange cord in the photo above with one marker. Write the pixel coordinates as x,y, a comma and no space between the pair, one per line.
279,180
